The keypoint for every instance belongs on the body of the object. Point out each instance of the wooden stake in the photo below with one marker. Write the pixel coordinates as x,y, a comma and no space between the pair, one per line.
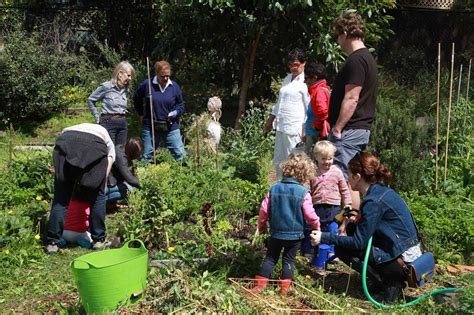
459,84
437,117
11,150
151,110
449,117
198,154
468,79
467,100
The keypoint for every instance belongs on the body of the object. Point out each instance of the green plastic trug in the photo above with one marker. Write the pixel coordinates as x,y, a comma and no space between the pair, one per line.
111,278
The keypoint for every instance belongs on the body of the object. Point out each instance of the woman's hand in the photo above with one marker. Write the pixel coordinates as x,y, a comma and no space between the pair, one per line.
315,238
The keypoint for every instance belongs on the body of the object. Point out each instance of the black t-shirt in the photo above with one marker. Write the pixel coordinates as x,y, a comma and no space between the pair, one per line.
360,69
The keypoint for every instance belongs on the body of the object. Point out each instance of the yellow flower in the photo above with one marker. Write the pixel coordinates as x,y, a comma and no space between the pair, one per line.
308,277
6,251
37,236
171,249
10,211
45,202
38,198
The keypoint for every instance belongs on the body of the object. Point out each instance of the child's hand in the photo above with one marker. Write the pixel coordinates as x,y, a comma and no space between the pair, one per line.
342,229
315,238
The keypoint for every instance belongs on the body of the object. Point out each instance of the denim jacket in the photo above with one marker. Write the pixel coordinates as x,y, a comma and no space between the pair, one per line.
285,213
386,217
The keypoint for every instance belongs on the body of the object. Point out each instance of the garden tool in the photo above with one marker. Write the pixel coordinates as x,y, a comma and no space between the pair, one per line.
261,283
284,285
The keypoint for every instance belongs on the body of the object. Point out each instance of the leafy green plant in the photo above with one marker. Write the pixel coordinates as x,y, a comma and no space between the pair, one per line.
446,224
249,146
173,193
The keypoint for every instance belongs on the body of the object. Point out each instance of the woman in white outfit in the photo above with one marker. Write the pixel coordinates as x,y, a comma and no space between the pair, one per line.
288,116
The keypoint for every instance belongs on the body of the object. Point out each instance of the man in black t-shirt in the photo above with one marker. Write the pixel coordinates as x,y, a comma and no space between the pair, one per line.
353,99
354,94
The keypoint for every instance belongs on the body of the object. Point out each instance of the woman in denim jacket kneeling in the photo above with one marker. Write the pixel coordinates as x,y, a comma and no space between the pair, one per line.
385,217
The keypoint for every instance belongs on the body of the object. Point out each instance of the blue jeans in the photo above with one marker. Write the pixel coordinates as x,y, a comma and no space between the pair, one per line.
62,195
117,192
117,128
273,254
352,142
331,227
172,140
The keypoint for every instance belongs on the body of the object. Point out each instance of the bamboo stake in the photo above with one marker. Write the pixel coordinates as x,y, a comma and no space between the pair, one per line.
449,117
437,117
11,150
151,110
467,100
198,154
468,79
459,84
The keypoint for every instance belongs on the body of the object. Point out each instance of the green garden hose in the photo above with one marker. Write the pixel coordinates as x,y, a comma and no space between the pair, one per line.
381,305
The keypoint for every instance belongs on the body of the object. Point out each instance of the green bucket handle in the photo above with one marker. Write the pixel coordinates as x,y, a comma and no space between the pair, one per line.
127,244
80,264
84,265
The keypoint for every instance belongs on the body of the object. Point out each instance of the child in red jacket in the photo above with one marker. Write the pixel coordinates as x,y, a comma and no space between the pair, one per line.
317,126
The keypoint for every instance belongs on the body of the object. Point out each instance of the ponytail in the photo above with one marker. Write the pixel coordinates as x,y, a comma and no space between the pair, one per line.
370,168
383,175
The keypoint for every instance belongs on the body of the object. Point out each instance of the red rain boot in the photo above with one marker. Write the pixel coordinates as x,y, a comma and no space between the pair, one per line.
261,283
284,286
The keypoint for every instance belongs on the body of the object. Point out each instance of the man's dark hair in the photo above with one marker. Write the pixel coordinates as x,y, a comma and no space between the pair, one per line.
315,68
297,54
350,23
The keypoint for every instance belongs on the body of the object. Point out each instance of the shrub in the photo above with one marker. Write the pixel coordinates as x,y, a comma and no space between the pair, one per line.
249,148
39,80
24,200
173,193
446,224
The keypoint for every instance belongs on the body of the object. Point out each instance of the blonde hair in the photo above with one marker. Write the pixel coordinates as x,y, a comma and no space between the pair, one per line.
299,166
162,64
122,67
324,147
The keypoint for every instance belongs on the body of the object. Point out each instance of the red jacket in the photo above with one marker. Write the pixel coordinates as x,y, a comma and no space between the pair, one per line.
319,101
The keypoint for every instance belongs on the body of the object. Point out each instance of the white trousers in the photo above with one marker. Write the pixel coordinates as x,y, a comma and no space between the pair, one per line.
284,144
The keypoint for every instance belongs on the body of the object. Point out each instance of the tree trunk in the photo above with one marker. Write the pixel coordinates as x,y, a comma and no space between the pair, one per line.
247,77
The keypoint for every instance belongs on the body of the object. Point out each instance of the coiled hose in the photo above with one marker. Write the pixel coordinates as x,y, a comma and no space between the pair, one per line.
381,305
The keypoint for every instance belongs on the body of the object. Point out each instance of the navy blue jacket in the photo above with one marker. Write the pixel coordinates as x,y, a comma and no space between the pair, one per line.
286,212
163,103
386,217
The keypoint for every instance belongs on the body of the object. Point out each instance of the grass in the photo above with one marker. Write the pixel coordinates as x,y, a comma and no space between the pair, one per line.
47,285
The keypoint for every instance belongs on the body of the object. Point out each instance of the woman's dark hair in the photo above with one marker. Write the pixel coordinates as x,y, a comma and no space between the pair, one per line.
370,168
297,54
315,69
133,149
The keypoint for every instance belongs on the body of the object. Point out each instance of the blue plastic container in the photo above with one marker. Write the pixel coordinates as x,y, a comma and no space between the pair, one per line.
319,260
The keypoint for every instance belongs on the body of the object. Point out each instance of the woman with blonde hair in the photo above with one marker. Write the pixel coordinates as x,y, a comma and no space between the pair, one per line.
113,95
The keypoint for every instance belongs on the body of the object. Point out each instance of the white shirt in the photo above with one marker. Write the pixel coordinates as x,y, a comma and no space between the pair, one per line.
214,130
155,81
290,109
96,130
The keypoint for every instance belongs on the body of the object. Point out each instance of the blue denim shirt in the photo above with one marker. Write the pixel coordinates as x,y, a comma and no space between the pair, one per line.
114,101
286,212
386,217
